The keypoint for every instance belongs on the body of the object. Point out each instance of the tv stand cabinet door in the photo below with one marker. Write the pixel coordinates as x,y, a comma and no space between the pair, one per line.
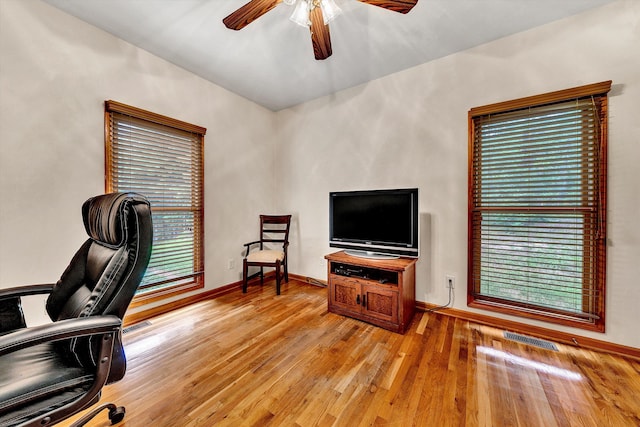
345,294
380,303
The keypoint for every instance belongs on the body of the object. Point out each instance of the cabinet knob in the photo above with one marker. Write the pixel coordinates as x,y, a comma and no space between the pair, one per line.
358,299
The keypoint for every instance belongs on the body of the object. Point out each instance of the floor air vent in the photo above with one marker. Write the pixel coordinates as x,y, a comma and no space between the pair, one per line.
136,326
530,341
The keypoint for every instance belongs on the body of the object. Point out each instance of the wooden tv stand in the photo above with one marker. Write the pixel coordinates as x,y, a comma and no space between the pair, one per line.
378,291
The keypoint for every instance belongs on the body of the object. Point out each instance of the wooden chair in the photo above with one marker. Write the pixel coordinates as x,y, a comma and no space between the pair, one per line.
274,231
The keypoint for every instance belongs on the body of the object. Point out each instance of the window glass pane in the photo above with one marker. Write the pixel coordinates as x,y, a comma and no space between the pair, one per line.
535,259
173,249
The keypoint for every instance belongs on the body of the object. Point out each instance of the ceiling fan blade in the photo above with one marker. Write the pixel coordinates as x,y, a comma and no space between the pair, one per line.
319,35
248,13
401,6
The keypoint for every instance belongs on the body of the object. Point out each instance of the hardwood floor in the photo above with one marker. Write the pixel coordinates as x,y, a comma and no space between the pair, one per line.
258,359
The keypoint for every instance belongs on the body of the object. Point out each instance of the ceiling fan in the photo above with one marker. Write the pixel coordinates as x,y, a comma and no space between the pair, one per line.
315,14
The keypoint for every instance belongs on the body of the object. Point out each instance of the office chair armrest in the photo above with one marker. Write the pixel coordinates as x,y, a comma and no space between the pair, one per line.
11,314
60,330
20,291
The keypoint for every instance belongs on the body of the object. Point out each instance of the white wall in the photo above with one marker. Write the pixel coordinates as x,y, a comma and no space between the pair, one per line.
410,129
55,74
407,129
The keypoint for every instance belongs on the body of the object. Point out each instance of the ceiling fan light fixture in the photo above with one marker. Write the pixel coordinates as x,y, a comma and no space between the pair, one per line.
300,14
313,14
330,10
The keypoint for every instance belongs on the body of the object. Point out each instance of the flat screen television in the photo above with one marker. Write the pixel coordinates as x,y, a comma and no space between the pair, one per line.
375,223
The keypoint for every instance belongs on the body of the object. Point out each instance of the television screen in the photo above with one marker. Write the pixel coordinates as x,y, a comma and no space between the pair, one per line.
375,222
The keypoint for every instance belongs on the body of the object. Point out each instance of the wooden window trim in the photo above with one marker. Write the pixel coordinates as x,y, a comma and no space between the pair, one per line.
546,98
118,107
598,325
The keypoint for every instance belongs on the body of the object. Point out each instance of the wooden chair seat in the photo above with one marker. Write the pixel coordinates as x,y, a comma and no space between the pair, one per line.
267,255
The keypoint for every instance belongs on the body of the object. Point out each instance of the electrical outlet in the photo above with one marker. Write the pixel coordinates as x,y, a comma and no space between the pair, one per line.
231,264
449,281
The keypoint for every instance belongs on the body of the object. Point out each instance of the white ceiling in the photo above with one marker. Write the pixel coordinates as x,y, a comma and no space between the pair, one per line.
271,60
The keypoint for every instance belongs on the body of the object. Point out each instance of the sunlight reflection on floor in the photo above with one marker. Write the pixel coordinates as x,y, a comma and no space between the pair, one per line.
538,366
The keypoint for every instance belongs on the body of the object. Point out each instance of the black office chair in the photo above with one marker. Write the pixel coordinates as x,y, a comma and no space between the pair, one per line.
274,230
51,372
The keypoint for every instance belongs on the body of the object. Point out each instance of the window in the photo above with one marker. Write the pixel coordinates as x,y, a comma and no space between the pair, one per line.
161,158
537,205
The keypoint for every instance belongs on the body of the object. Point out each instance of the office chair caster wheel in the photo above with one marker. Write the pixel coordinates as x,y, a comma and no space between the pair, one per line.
116,415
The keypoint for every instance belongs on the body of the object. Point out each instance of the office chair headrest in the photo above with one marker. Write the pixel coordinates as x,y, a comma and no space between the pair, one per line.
104,217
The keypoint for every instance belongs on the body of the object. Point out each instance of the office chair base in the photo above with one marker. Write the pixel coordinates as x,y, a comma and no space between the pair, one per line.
116,414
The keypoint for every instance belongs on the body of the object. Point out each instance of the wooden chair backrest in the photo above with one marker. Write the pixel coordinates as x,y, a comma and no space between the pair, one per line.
274,229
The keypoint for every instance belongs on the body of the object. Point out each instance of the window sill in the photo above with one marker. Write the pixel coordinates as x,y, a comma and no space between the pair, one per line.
595,325
153,296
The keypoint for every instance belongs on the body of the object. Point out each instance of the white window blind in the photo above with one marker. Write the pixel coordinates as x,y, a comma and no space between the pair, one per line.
162,159
537,209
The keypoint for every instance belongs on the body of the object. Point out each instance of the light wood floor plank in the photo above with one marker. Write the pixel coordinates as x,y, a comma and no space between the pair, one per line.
258,359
